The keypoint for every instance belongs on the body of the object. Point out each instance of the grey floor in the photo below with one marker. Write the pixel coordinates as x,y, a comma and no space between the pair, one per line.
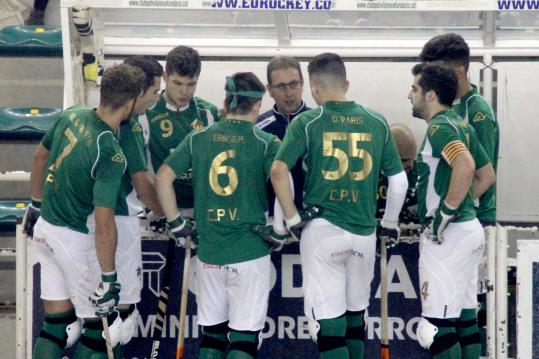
7,333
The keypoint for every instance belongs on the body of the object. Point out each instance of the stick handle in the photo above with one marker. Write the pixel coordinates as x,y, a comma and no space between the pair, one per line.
183,299
105,323
384,353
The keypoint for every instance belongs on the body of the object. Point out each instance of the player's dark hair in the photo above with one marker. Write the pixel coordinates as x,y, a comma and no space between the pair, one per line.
243,81
184,61
119,84
149,65
450,48
438,77
283,63
327,68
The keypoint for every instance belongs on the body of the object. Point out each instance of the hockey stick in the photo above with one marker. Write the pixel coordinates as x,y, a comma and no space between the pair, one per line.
183,299
163,298
105,323
384,351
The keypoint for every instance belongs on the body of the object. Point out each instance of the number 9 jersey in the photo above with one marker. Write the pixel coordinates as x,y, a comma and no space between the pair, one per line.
344,147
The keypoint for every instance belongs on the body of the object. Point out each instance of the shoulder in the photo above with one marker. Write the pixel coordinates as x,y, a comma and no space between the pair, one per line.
265,119
479,109
204,104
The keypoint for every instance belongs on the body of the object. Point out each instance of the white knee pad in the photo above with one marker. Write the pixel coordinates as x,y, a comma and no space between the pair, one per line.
115,331
314,328
426,332
74,331
129,327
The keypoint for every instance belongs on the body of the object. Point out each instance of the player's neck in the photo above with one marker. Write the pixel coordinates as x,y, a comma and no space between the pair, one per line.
111,118
332,97
434,109
464,87
247,118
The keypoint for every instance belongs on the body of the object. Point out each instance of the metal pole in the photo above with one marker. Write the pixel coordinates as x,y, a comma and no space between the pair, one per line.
20,275
491,291
501,292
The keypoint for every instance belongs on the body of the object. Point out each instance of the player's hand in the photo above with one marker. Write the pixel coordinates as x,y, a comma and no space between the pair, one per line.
269,235
388,231
157,224
296,224
444,215
107,294
182,228
31,215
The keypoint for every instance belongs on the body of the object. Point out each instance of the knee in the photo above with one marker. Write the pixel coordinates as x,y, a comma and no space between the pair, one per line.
436,335
332,334
245,341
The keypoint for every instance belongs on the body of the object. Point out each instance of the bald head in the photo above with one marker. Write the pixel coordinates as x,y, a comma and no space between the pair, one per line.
405,144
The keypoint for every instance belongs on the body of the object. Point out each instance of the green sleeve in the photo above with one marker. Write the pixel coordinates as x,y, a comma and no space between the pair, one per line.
270,154
132,144
46,141
180,159
294,144
478,152
440,134
108,172
215,113
483,121
391,160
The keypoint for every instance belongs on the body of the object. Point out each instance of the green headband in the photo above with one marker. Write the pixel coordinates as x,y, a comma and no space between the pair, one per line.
232,92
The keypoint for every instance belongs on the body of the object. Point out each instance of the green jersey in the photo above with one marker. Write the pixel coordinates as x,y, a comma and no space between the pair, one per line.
165,126
84,170
447,137
344,147
230,161
132,144
479,114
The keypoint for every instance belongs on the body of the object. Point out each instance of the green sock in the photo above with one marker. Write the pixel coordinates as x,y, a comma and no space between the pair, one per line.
247,340
470,340
48,347
355,334
453,351
84,352
331,338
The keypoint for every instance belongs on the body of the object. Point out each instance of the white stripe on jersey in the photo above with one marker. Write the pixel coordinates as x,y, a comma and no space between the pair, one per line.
261,139
209,116
381,120
307,129
145,124
266,122
99,153
432,199
197,133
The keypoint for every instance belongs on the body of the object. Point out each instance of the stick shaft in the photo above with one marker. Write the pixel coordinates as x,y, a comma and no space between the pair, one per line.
105,323
183,299
384,354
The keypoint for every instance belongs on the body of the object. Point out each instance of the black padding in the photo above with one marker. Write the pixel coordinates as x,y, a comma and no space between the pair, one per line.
356,333
441,323
220,328
46,335
68,319
246,347
98,324
466,323
124,313
443,343
472,339
327,343
98,345
213,343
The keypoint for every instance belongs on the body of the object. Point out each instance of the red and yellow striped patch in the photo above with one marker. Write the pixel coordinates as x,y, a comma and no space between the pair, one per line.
452,150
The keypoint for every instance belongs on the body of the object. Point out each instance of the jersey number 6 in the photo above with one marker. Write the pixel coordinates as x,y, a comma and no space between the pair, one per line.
353,151
217,168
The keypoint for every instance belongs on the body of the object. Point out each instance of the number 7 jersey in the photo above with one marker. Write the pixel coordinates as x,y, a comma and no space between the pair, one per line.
230,161
344,147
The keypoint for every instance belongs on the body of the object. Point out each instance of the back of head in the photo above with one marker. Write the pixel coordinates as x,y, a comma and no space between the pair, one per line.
405,140
243,91
120,84
282,63
449,48
327,70
149,65
437,77
184,61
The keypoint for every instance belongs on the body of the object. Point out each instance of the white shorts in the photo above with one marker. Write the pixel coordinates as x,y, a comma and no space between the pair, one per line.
235,292
69,266
337,267
129,258
448,271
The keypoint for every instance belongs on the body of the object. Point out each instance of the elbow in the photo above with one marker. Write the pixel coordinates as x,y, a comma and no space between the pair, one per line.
279,171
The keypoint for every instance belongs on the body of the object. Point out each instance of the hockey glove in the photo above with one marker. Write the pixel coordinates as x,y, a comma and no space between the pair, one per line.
444,215
107,294
296,224
181,228
389,232
157,224
268,234
31,215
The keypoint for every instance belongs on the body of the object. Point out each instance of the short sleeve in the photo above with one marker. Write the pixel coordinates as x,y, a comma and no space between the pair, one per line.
180,159
270,154
132,144
294,144
479,154
108,171
46,141
483,122
445,141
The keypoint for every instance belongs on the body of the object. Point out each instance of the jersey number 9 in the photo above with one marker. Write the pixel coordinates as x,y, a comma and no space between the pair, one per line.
217,168
353,151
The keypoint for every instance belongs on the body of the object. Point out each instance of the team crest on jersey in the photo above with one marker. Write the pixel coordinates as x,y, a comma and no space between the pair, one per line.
479,117
197,125
118,158
137,128
433,129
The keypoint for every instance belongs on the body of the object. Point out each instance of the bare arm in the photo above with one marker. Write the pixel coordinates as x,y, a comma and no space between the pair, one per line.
484,178
146,191
461,179
37,176
165,191
105,238
283,191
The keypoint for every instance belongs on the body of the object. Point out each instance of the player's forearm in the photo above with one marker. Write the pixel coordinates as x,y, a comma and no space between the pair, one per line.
146,191
105,238
484,178
461,179
165,191
37,175
283,191
396,194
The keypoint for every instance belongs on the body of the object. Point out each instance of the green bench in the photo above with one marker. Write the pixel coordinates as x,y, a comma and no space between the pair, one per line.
27,122
22,40
9,211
